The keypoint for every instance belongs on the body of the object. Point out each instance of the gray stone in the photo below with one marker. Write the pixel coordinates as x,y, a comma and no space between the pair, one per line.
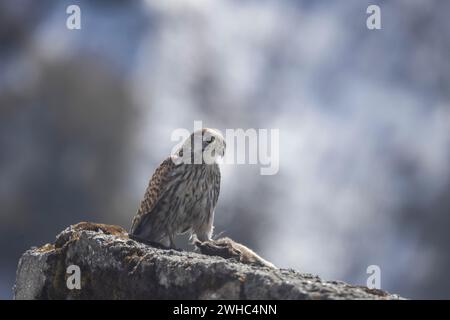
116,267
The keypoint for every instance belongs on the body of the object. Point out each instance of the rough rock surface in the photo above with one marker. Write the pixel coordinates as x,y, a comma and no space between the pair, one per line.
115,267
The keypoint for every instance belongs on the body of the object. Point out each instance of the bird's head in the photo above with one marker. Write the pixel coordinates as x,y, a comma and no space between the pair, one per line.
207,144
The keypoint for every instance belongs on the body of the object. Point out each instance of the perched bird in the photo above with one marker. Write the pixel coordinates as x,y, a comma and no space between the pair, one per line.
183,192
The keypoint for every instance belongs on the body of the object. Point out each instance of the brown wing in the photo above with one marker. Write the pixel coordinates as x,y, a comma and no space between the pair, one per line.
155,189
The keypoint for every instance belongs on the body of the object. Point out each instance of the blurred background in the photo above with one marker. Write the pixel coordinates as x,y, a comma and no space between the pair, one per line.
364,118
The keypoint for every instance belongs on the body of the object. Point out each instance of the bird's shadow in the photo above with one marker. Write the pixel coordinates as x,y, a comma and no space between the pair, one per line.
153,244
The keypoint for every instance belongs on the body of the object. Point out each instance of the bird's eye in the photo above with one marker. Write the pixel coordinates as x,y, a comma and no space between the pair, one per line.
212,139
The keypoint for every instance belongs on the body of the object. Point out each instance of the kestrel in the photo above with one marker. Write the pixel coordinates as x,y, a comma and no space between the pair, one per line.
183,192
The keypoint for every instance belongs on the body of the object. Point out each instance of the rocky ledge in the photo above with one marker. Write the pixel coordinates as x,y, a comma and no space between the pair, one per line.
96,261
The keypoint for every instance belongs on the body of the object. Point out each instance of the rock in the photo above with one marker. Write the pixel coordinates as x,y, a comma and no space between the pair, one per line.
112,266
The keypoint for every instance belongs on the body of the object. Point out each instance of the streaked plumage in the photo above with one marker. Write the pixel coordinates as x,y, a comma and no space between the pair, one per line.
181,197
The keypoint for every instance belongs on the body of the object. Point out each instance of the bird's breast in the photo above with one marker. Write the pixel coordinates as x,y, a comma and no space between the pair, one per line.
195,193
